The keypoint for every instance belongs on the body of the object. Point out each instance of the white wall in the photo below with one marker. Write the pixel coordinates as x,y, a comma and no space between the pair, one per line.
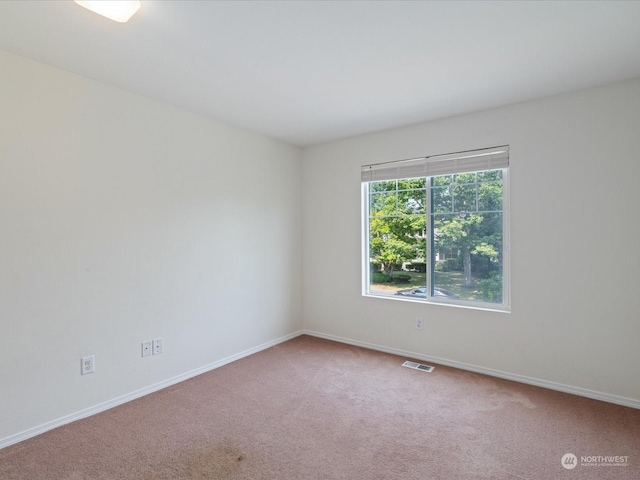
575,229
122,220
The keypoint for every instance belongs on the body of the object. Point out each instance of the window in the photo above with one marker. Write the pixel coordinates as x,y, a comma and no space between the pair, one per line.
436,229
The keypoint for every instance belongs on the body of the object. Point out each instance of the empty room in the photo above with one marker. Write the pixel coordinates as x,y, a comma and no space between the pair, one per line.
297,240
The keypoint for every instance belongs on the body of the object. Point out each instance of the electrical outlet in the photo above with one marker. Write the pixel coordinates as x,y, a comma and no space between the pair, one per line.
419,323
157,346
88,364
146,349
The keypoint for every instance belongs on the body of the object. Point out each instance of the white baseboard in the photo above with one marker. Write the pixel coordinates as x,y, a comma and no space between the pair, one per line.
101,407
583,392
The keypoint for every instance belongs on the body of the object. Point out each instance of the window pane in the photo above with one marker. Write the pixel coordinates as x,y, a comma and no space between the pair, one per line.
412,183
383,204
388,186
442,180
490,176
441,199
468,256
397,237
464,178
412,201
490,196
465,197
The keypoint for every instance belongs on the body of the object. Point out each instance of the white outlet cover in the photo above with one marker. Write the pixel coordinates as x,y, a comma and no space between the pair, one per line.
157,346
88,364
146,349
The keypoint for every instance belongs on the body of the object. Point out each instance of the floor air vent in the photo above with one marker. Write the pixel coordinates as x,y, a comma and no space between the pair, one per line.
418,366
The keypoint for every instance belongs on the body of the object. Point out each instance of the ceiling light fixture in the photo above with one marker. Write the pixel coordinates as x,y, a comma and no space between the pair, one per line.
118,10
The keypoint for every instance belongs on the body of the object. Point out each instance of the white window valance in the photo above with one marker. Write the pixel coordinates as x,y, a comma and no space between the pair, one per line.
461,162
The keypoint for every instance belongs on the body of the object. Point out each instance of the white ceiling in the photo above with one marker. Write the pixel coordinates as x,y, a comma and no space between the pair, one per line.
314,71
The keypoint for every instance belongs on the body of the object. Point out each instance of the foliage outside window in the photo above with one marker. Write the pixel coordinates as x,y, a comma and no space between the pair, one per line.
438,238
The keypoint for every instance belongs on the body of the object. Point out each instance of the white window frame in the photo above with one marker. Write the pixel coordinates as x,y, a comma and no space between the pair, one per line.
435,166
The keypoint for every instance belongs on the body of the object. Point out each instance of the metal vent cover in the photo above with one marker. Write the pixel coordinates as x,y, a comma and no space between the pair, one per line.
418,366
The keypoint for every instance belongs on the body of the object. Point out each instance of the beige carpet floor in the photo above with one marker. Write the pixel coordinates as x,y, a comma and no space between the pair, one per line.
315,409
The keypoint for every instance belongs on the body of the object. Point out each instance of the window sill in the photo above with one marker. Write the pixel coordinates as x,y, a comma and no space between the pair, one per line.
467,305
